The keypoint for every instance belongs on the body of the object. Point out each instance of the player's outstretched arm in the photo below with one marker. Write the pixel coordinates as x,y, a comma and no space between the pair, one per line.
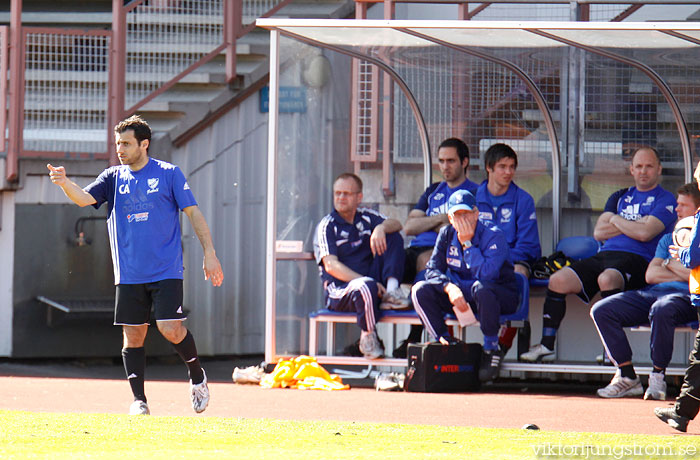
72,190
211,266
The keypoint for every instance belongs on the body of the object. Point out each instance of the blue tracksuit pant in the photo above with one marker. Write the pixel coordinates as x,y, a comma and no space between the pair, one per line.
488,300
634,308
361,294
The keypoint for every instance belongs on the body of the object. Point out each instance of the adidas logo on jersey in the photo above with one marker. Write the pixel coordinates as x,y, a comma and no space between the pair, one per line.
179,309
186,187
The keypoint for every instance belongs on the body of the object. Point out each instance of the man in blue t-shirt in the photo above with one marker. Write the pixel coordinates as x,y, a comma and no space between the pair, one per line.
665,304
511,209
144,197
360,256
429,215
644,213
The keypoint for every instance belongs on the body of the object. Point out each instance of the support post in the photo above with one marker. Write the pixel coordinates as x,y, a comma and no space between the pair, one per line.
233,17
117,75
16,111
270,251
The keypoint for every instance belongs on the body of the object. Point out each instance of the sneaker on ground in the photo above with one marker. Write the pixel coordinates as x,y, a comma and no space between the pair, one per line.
200,394
491,365
250,374
387,382
620,387
538,353
139,407
396,299
370,346
669,415
657,387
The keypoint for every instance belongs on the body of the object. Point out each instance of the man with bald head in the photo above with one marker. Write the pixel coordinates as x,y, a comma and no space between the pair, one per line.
644,213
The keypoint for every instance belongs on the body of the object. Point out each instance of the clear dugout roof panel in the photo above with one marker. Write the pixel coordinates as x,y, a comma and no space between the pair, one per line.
360,34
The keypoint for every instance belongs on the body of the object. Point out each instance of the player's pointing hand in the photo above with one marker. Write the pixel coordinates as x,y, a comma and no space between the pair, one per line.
57,174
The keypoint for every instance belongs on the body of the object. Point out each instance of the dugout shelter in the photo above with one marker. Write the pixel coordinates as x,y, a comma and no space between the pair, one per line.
574,99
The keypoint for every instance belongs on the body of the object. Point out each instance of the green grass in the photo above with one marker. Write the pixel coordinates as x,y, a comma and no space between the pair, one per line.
56,436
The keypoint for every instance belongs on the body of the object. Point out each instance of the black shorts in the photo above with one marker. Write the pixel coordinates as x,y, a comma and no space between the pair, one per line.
412,253
134,302
632,267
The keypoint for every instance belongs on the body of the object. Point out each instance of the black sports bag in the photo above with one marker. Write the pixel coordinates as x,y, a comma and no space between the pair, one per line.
437,368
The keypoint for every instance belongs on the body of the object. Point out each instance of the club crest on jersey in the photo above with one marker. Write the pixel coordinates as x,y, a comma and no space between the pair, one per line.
628,199
650,200
506,214
439,196
453,251
124,189
152,185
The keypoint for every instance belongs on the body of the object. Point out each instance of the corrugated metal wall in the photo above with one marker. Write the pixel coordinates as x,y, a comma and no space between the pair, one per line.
225,167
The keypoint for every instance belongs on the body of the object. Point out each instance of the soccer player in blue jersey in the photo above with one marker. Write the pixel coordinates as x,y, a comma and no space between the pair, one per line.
470,268
511,209
144,197
360,256
644,213
429,215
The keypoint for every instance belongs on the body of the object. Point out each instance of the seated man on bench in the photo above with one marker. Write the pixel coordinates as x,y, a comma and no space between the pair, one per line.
664,305
469,269
643,214
429,215
359,252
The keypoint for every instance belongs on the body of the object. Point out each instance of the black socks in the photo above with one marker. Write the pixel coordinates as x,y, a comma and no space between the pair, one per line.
628,371
188,352
135,367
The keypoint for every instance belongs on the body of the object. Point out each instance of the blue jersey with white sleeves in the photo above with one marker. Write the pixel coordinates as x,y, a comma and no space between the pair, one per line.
516,216
432,202
487,259
349,242
633,205
144,219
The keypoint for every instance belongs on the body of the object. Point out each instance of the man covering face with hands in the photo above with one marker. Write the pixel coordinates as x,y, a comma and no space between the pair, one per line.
468,270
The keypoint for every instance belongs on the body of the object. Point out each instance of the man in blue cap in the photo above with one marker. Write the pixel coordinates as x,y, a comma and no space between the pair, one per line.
468,270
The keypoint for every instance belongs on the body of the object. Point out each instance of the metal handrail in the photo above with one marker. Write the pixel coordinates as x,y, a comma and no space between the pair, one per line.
13,87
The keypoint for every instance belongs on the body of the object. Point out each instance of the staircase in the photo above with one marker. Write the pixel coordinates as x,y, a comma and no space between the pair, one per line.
192,102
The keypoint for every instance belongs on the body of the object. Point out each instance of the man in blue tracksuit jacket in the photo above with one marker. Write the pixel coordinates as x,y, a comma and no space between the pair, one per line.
469,269
512,209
